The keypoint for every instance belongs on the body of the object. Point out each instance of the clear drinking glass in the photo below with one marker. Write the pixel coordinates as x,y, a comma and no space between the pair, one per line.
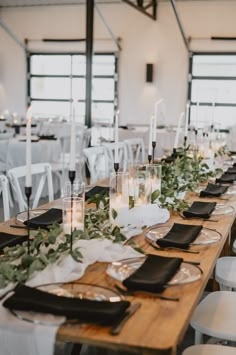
73,214
78,189
119,197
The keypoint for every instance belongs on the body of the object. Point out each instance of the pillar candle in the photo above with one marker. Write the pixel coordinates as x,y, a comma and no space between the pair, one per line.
28,178
72,141
116,138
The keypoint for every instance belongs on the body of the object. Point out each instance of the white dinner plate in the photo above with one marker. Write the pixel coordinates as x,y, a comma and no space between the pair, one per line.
120,270
206,236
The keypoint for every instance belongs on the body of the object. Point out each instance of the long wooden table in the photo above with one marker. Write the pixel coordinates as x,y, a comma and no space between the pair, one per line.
159,325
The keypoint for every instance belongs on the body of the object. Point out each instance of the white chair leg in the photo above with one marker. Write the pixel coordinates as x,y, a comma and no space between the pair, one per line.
198,339
225,288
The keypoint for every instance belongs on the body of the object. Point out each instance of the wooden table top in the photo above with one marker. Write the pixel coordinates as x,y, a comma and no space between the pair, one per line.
159,325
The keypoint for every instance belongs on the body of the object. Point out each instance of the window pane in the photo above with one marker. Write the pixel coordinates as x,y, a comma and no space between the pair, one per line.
103,65
50,64
222,91
50,88
220,117
103,89
214,65
78,65
103,113
78,89
54,108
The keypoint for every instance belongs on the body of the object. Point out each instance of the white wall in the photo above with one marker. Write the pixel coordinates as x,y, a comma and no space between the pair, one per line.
143,41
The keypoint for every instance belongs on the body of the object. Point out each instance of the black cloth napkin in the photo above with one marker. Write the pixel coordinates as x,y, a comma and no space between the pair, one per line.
100,190
213,190
10,240
200,209
90,311
226,178
231,170
153,274
180,236
45,219
48,137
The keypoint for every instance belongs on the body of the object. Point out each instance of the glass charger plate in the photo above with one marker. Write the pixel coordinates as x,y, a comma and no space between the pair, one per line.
206,236
72,290
120,270
23,216
222,209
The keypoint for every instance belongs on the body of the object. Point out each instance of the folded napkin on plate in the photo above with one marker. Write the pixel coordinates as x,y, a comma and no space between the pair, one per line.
45,219
100,190
200,209
226,178
48,137
153,274
231,170
213,190
90,311
10,240
180,236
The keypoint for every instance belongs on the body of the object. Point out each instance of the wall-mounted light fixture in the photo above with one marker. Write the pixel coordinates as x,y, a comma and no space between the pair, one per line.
149,72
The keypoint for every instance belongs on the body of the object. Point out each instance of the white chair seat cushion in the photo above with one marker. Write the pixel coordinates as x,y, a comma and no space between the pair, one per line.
225,272
208,349
216,315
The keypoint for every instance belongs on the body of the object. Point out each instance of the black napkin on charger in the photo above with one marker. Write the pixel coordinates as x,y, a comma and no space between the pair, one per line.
100,190
231,170
10,240
45,219
200,209
213,190
153,274
180,236
226,178
47,137
27,298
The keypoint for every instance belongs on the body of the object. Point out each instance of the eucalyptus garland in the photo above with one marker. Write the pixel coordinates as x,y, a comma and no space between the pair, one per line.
48,246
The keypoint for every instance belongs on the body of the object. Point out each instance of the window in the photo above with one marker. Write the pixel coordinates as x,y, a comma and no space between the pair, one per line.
213,90
57,79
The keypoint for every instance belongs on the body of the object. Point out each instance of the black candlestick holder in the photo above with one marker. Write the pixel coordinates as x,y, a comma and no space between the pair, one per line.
153,151
116,168
28,192
149,158
185,141
72,175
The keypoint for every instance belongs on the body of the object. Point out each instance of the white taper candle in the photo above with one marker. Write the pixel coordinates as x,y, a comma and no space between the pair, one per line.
116,161
178,130
72,141
150,136
186,120
28,177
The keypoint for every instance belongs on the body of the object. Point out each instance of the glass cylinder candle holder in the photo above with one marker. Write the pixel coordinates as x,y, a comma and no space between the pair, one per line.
142,186
73,214
154,173
119,197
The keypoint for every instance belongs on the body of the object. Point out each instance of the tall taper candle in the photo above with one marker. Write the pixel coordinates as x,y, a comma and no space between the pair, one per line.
72,141
28,178
150,136
186,120
116,137
178,130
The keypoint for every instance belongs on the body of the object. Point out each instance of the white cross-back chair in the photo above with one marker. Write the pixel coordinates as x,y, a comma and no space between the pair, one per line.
135,150
122,155
215,316
4,192
97,163
16,177
209,349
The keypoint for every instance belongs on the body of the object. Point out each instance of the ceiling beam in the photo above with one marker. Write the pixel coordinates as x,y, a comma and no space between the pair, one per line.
186,42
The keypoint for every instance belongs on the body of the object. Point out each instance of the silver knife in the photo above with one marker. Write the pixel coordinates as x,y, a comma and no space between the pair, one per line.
116,329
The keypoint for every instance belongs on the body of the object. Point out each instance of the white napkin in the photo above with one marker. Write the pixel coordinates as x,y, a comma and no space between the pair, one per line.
22,338
146,215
